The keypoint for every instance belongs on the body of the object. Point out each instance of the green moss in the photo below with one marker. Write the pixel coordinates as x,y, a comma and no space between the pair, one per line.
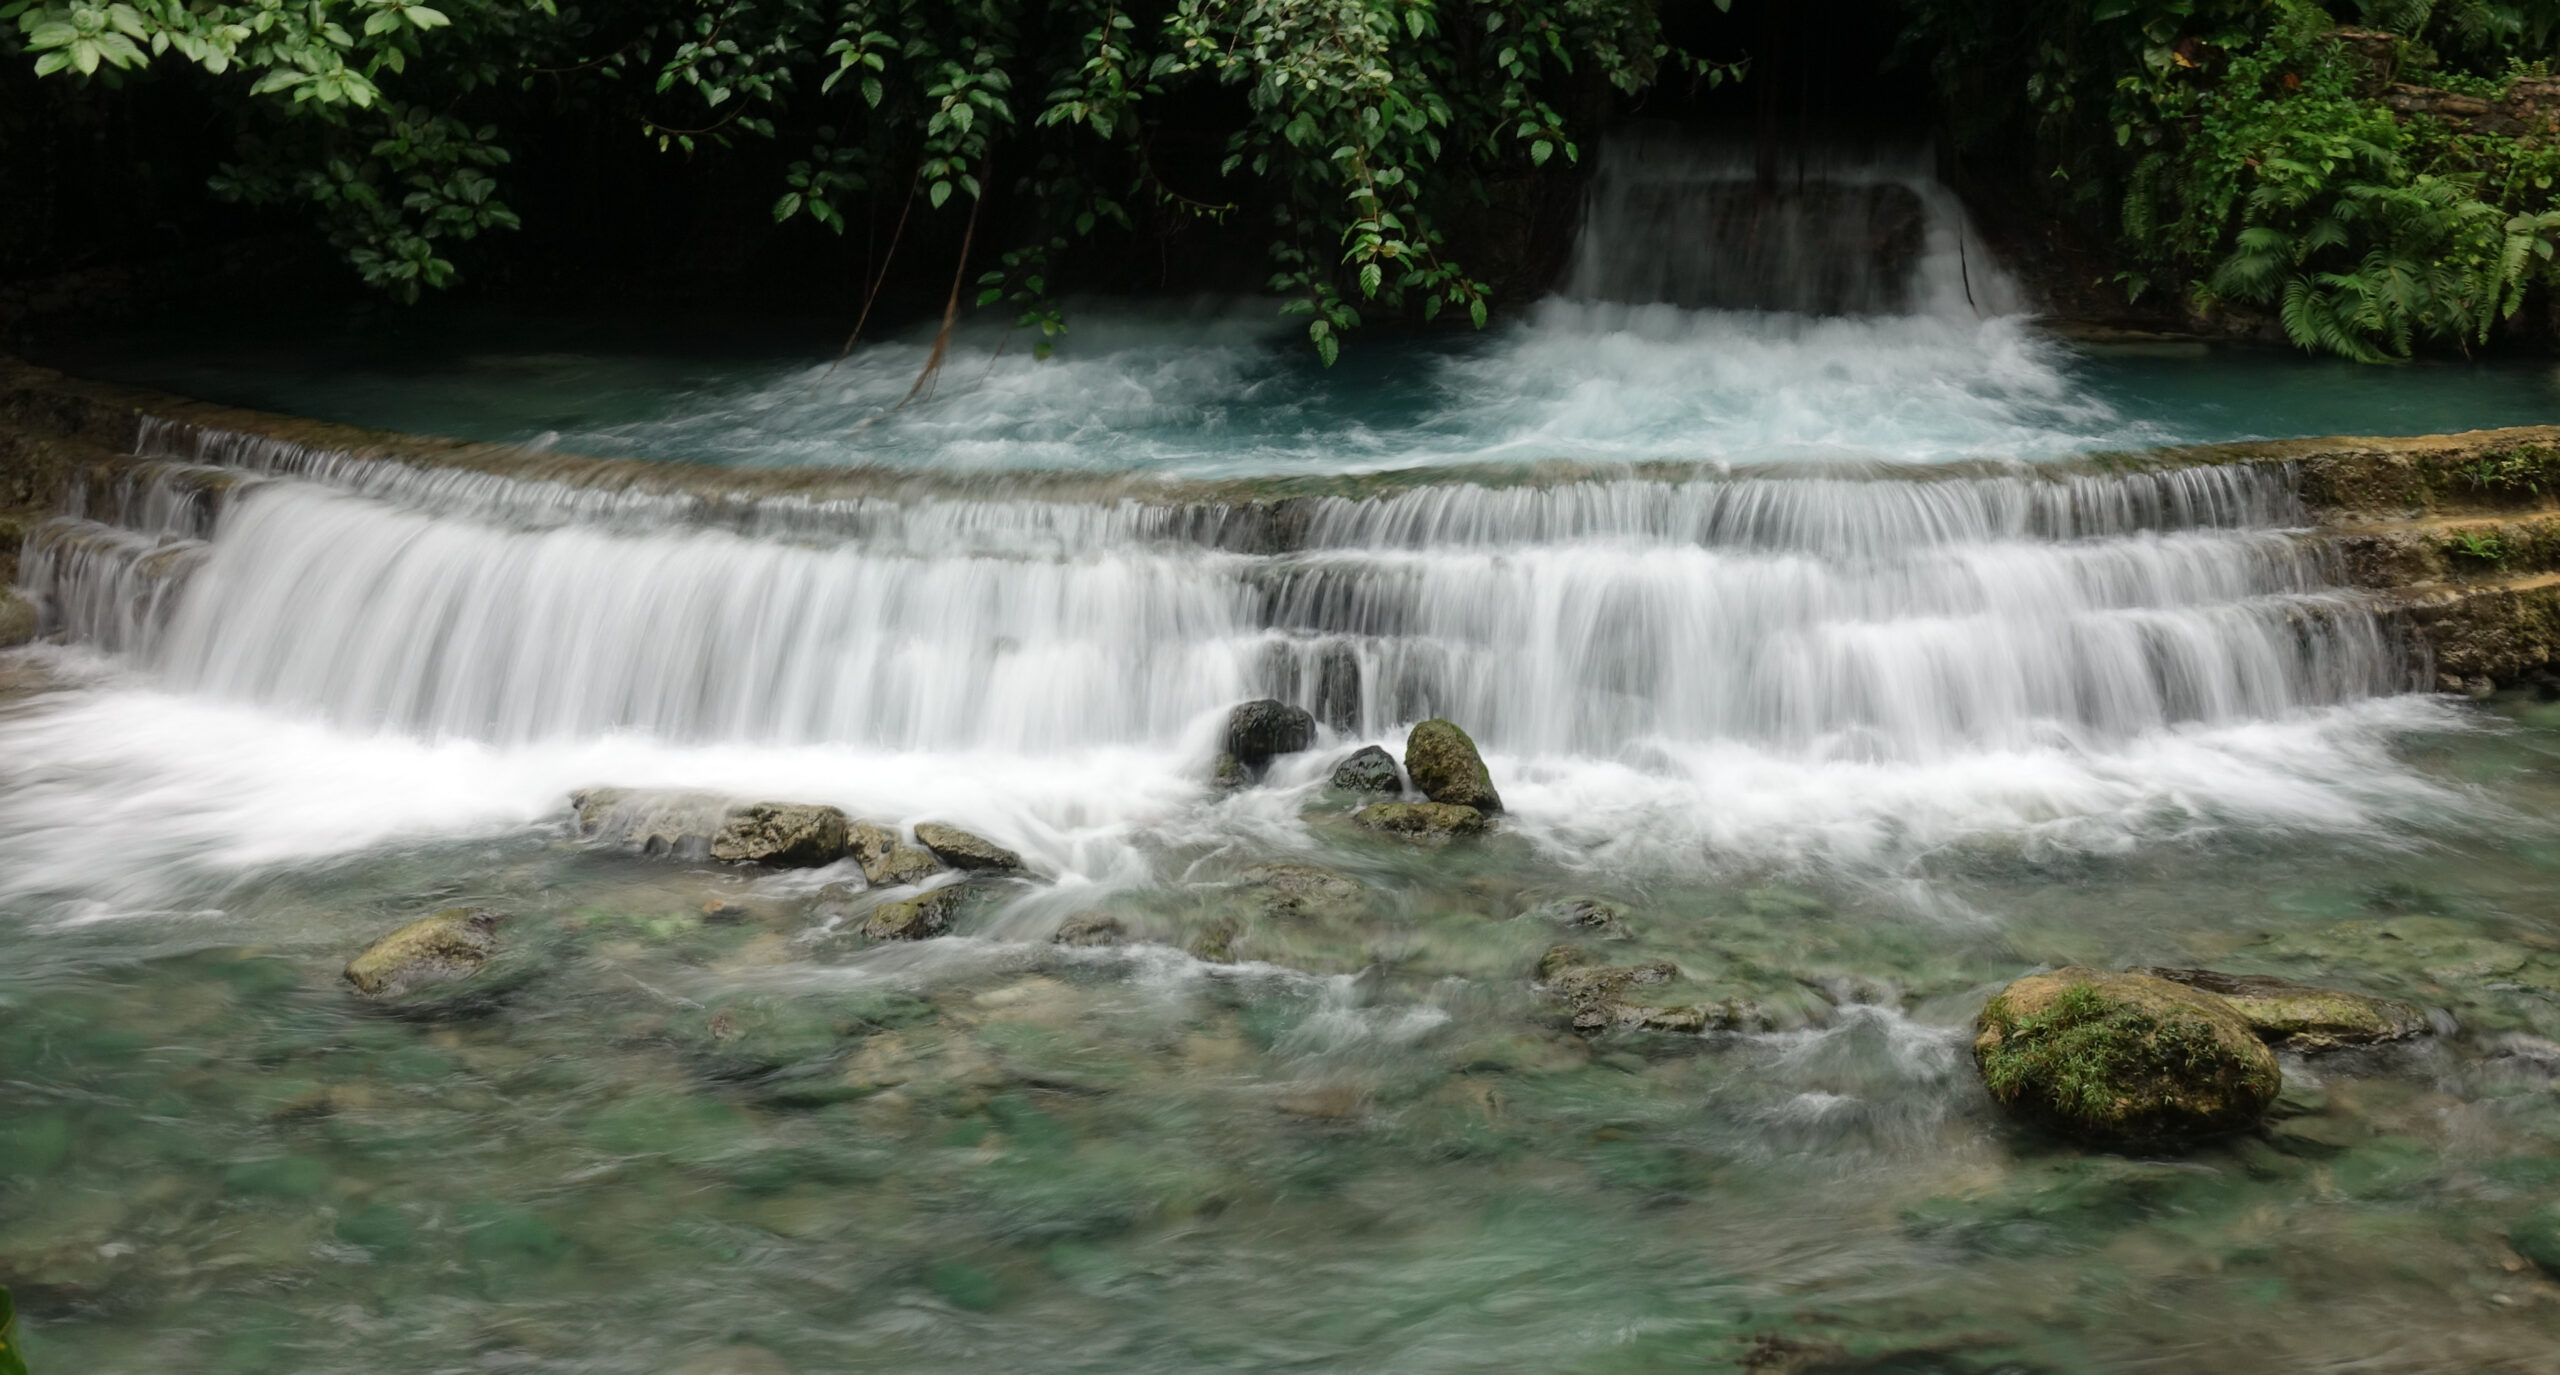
2076,1059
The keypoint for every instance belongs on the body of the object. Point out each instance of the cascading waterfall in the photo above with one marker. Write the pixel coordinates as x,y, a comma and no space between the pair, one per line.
1869,657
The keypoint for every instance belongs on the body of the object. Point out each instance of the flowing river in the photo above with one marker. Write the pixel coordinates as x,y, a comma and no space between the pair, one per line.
1768,562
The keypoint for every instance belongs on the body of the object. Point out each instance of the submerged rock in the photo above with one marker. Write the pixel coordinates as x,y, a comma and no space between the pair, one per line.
887,861
18,619
1586,916
2123,1059
1421,821
918,918
788,835
1090,928
1368,770
1604,997
446,947
2301,1017
1444,764
2536,1237
962,850
1259,731
1291,890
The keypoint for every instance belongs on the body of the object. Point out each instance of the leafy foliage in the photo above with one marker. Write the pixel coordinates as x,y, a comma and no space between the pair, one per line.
2256,155
1363,125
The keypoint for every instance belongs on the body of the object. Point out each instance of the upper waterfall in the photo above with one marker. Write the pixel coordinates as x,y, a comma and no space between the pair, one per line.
1676,220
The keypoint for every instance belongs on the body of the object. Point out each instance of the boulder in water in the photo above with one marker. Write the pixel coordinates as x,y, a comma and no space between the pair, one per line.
1443,763
445,947
886,860
787,835
1090,928
1260,731
2536,1237
18,619
962,850
1368,770
918,918
1427,822
2124,1059
2301,1017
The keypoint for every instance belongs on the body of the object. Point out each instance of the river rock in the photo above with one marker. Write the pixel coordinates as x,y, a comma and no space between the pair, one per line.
1368,770
962,850
918,918
888,861
2123,1059
2301,1017
1089,929
1259,731
1605,997
2536,1237
448,946
18,619
1428,822
1293,890
787,835
1443,763
1586,916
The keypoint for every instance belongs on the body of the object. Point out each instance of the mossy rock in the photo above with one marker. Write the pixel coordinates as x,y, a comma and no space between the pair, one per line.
2536,1237
445,947
2124,1059
964,850
1368,769
918,918
1442,761
1424,822
886,860
787,835
18,619
2301,1017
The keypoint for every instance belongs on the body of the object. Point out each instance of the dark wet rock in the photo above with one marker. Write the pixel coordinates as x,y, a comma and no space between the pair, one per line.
1595,917
1260,731
921,917
18,619
2123,1059
2303,1018
888,861
962,850
2536,1237
1443,762
1089,929
1296,890
787,835
1621,997
447,947
1368,770
1429,822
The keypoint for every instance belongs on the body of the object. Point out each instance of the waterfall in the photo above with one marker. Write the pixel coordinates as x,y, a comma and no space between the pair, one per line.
1897,618
1678,221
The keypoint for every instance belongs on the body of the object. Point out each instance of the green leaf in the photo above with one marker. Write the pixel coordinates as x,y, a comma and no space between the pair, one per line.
786,207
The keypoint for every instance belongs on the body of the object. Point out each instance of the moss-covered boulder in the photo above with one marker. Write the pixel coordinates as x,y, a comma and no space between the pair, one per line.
1424,822
921,917
1444,764
787,835
2301,1017
2536,1237
2123,1059
446,947
887,860
963,850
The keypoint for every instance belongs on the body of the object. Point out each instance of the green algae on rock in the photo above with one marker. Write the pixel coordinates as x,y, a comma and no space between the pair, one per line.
2300,1016
1426,822
1443,762
448,946
2123,1059
1368,769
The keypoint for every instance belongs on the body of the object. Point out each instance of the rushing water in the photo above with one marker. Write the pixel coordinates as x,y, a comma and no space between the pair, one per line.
1799,637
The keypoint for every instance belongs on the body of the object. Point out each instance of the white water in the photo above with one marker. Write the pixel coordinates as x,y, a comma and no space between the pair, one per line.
1854,664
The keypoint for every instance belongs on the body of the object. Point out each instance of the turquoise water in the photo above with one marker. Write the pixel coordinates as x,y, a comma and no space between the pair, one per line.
1223,389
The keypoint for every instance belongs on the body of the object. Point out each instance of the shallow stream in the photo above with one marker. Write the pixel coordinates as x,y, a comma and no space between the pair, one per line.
1865,694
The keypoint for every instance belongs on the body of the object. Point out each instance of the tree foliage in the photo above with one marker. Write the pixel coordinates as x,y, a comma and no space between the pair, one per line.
1362,125
2254,152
